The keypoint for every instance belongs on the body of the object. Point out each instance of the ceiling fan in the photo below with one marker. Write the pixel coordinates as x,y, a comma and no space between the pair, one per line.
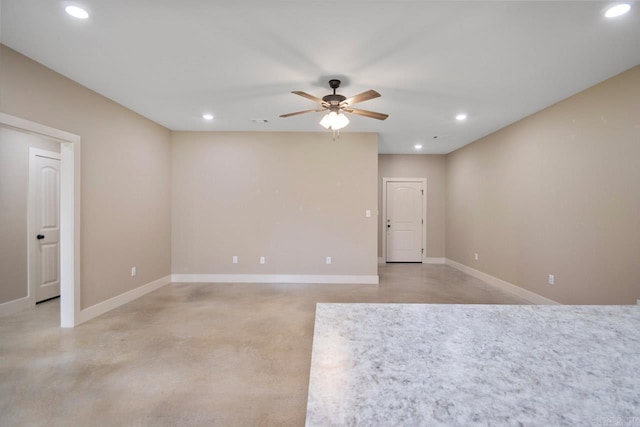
337,104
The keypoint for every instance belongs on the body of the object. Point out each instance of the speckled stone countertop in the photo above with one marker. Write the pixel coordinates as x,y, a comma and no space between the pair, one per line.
462,365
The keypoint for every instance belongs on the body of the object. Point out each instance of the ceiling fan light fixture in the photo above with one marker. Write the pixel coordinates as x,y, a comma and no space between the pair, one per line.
341,121
327,120
334,121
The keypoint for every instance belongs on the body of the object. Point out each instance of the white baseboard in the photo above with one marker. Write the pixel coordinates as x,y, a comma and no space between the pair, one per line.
16,305
117,301
504,285
274,278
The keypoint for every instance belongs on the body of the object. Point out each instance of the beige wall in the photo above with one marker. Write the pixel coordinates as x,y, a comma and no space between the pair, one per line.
14,181
556,193
126,175
431,167
292,197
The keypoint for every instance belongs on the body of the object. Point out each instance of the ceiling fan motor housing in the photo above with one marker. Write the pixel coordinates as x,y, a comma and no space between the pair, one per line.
334,99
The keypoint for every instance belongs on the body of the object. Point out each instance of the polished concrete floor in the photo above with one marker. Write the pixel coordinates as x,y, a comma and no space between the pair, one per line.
193,354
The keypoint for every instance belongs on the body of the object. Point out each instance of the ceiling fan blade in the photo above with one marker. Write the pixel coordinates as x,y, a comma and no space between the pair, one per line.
361,97
306,95
299,112
366,113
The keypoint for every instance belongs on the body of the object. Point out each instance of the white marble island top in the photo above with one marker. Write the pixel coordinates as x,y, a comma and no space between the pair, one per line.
461,365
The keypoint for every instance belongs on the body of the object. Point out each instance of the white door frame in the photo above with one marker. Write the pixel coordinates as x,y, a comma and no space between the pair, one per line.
69,214
384,214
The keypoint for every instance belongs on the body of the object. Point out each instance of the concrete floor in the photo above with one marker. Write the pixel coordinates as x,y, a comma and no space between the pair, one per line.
193,354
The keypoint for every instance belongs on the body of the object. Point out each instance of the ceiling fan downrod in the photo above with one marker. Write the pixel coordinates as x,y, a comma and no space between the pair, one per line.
334,99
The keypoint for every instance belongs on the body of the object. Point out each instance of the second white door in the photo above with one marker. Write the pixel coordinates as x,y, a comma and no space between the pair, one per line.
404,225
44,217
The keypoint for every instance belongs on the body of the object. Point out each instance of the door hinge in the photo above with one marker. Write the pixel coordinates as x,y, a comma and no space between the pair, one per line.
423,250
423,221
422,192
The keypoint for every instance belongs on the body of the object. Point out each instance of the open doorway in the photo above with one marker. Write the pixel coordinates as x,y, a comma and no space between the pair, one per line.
69,220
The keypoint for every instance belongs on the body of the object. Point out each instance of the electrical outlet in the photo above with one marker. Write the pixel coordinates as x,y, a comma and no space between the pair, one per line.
476,256
133,271
328,260
552,279
234,259
262,260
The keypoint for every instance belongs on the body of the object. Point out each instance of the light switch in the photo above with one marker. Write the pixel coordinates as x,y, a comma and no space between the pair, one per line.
328,260
235,259
368,213
262,260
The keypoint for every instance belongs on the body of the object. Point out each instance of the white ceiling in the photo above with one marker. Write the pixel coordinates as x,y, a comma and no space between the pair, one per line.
171,61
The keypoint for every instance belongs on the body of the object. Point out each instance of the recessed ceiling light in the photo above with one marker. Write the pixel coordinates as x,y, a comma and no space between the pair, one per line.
77,12
617,10
207,116
418,146
460,117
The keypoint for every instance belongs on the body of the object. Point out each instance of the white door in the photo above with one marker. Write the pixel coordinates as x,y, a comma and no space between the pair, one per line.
404,221
44,229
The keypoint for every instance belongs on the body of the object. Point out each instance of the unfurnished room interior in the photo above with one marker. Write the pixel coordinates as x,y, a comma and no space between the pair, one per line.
320,213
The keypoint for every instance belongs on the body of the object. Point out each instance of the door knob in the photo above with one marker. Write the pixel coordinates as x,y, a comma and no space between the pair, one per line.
40,236
388,225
